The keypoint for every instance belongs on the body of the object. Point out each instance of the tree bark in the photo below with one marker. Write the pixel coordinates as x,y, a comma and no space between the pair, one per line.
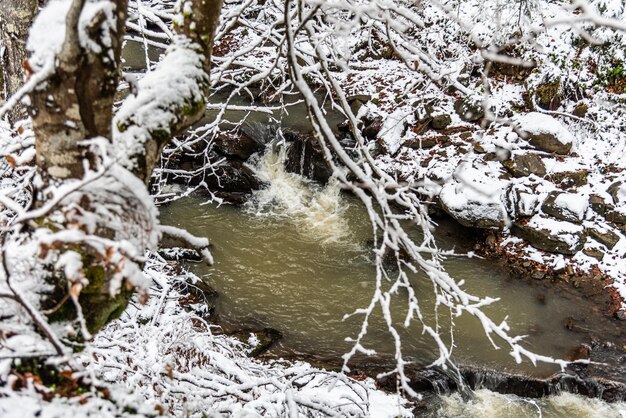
77,102
16,17
113,216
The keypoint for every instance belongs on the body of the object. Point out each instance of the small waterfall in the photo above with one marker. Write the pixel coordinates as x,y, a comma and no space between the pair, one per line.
318,211
493,404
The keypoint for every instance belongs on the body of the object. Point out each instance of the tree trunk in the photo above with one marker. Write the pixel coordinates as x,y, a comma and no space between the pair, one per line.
112,219
16,17
77,102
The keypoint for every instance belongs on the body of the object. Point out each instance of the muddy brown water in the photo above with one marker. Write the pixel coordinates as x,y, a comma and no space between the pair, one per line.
297,259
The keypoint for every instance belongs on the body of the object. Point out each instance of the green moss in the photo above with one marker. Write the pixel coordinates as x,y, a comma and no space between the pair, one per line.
161,134
613,77
192,108
97,305
60,383
547,95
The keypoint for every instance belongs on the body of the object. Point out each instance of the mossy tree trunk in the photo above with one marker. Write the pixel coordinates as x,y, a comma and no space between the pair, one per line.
75,104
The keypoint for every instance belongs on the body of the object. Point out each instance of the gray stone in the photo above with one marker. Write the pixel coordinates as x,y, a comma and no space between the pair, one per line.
544,132
563,213
234,176
241,146
599,205
548,142
423,112
604,236
372,127
521,201
306,157
607,210
615,216
567,179
617,190
568,240
524,165
420,143
596,253
479,148
472,214
364,98
358,100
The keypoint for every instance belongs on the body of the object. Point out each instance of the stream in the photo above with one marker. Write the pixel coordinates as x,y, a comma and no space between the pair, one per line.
297,258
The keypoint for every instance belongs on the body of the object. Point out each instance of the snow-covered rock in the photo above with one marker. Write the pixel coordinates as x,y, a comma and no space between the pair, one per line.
474,197
618,192
604,236
609,211
569,207
393,128
470,109
545,133
521,201
552,235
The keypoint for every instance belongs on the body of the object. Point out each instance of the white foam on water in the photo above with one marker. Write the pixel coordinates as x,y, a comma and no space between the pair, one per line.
318,211
492,404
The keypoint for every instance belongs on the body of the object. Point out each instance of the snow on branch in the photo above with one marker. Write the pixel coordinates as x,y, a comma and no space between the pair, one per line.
168,99
201,244
180,366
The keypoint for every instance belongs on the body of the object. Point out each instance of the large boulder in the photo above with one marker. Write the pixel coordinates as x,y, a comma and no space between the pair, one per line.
233,176
239,145
545,133
551,235
569,207
306,157
474,197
